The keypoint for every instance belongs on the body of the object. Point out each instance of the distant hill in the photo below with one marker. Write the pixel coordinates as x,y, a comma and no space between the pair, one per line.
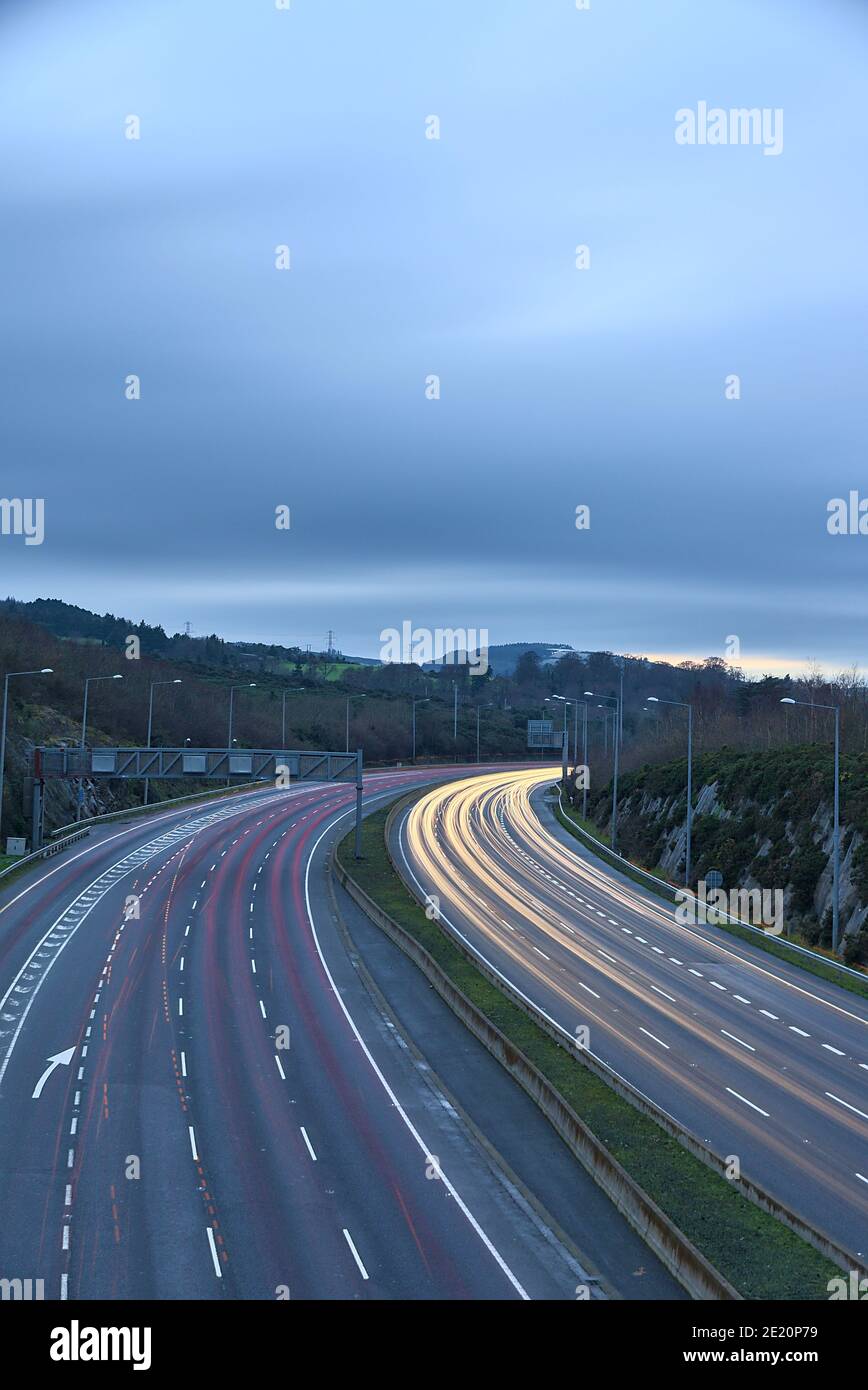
504,658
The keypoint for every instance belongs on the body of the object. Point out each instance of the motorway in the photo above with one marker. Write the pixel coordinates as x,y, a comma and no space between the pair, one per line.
197,1099
758,1059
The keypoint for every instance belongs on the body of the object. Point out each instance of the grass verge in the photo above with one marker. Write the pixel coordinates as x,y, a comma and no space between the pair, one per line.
773,946
762,1258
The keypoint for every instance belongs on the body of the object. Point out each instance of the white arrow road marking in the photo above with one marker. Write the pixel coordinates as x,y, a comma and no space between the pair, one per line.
60,1059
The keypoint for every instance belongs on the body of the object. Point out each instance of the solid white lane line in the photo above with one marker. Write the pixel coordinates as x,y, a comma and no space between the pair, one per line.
450,1187
740,1041
657,1040
362,1270
670,997
307,1142
747,1102
217,1270
846,1103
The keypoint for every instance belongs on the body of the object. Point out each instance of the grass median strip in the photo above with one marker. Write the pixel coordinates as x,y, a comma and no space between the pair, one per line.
773,946
762,1258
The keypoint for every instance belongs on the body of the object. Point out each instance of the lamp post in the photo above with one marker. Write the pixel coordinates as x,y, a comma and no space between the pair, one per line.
154,684
251,685
87,683
616,744
565,744
584,705
479,709
607,713
290,690
562,699
44,671
350,697
684,704
836,831
455,711
415,703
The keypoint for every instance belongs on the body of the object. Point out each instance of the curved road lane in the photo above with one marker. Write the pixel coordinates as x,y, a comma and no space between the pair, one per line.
756,1057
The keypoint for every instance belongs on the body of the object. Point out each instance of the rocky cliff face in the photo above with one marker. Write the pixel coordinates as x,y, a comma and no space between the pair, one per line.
765,821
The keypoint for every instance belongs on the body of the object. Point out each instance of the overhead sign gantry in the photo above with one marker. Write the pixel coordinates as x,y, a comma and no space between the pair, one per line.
277,765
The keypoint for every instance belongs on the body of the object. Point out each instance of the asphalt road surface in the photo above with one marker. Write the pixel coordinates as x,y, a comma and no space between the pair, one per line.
757,1058
196,1096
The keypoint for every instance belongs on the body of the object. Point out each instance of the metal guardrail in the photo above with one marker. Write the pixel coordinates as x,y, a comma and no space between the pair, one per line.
46,852
618,861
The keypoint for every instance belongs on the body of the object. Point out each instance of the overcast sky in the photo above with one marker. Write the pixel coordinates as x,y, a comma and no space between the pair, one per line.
456,257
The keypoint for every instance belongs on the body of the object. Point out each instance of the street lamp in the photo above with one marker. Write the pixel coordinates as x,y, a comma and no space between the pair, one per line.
683,704
617,745
350,697
607,715
479,709
43,671
178,681
565,744
836,831
83,732
415,703
251,685
290,690
584,705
